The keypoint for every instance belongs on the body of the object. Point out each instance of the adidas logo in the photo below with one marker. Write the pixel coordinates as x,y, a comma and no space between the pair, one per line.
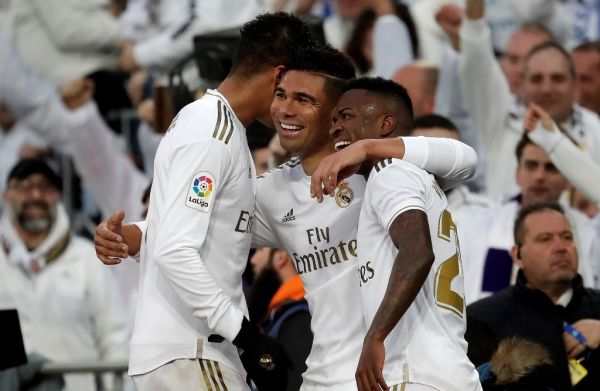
289,216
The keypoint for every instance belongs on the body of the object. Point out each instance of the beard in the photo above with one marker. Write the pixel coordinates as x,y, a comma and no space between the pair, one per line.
35,224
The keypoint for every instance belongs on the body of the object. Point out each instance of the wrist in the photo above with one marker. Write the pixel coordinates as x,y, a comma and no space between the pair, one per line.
377,336
247,335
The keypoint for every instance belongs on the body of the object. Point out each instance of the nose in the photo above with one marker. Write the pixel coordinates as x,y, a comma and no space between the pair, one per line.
335,127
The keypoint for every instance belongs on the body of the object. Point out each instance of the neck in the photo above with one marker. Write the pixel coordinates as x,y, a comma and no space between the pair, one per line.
554,290
239,92
310,161
31,240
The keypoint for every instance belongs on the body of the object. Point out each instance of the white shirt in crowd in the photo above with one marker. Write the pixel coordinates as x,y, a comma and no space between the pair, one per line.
430,334
70,311
499,116
196,244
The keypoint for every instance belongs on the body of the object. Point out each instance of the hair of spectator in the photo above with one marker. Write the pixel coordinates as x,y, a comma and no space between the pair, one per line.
365,23
525,141
536,28
429,121
552,46
519,228
269,40
327,61
590,46
390,90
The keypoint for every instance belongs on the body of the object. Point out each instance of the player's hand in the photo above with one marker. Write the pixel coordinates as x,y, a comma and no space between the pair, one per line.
536,114
108,240
590,328
369,374
335,168
263,358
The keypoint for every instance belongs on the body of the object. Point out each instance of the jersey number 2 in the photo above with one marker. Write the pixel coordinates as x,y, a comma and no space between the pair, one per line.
445,297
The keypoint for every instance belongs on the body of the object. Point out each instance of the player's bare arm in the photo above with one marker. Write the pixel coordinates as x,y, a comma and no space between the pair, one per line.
410,234
346,162
114,241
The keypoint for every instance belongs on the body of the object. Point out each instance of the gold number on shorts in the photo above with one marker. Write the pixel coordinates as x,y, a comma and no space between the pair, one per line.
445,297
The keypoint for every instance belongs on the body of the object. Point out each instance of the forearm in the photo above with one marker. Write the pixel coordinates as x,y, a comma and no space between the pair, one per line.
410,233
575,164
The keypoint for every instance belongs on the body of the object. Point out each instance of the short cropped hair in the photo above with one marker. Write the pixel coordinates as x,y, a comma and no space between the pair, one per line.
269,40
591,46
387,89
429,121
552,46
328,61
519,228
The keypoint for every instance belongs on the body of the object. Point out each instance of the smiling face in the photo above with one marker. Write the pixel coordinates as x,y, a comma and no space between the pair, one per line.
301,112
549,83
356,117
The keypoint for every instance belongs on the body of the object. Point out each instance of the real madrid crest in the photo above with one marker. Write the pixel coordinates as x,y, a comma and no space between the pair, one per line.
344,195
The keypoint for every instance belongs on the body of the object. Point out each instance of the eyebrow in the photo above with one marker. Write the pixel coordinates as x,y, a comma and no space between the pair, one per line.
306,96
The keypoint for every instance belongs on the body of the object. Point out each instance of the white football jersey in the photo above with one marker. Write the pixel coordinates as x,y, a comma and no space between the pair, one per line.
321,239
427,346
196,244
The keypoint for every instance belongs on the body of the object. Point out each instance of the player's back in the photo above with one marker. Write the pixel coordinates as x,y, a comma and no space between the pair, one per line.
199,221
427,345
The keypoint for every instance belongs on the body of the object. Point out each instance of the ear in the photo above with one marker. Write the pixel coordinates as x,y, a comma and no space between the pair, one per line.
515,253
278,258
388,125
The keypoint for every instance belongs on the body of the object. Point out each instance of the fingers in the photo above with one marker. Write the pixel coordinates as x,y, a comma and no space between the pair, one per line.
107,260
572,346
110,248
368,379
116,219
316,191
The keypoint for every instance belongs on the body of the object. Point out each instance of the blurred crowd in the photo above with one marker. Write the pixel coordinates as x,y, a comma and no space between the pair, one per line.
88,87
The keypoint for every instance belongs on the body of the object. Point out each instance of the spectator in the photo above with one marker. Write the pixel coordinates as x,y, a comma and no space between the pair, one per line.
462,203
284,314
486,239
177,24
498,115
420,80
383,39
69,305
586,58
65,39
549,299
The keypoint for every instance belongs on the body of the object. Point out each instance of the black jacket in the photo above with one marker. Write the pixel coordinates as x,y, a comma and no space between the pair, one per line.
528,313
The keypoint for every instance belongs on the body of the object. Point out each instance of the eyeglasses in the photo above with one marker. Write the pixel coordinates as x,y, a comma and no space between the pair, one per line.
27,186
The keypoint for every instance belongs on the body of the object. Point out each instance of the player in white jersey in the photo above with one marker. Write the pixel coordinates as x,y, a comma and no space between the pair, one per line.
191,316
322,238
409,269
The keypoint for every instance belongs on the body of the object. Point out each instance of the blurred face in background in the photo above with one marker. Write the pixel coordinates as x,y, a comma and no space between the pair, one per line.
538,178
520,44
587,69
550,84
32,202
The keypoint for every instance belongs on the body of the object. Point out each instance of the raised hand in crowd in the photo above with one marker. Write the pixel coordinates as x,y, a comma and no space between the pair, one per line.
449,18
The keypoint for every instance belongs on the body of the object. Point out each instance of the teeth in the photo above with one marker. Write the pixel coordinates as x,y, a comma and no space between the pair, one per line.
341,144
290,127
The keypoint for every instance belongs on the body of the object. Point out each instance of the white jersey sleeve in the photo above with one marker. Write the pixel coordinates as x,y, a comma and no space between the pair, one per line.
402,191
184,227
451,161
263,234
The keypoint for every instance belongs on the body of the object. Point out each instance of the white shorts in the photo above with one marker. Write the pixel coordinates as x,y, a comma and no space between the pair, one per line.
193,375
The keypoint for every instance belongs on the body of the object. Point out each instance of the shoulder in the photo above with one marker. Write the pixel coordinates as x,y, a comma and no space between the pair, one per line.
398,173
497,304
281,171
208,118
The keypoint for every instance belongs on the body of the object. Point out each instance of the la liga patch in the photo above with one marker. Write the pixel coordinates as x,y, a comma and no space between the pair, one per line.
201,191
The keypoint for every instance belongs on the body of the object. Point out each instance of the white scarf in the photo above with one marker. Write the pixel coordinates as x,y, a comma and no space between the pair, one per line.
16,250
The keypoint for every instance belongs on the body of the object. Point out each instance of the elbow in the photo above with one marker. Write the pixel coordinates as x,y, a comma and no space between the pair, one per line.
469,165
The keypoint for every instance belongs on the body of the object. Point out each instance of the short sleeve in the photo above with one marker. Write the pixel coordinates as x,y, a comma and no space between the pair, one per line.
395,188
